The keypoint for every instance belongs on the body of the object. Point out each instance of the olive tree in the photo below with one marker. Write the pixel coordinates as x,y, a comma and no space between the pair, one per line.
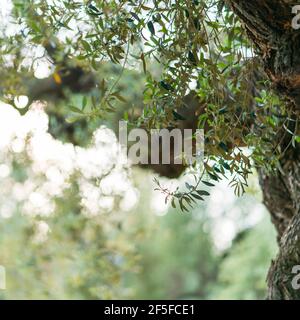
230,67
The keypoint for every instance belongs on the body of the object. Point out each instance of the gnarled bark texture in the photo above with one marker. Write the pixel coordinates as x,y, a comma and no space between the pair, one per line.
269,26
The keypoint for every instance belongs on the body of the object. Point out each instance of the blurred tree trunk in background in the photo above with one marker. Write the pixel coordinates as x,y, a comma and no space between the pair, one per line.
269,26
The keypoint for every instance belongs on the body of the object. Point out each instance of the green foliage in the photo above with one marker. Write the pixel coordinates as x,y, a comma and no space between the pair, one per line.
145,256
78,259
192,42
247,260
177,257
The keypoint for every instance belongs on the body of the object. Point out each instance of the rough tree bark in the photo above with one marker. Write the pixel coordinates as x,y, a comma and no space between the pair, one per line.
269,25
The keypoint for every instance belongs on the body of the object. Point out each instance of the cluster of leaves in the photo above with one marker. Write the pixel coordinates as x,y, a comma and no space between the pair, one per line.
196,43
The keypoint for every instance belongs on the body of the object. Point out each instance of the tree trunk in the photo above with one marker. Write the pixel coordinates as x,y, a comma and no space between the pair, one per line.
281,197
269,25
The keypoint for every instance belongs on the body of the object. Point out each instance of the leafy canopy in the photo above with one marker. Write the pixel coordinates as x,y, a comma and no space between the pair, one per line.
194,44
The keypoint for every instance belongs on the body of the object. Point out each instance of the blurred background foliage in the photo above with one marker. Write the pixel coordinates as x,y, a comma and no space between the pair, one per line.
73,250
141,254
